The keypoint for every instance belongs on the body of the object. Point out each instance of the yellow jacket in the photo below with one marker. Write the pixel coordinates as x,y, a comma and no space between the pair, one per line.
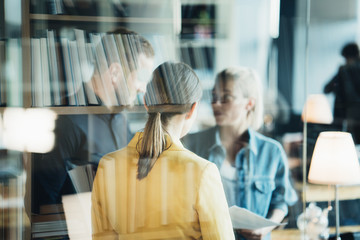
181,198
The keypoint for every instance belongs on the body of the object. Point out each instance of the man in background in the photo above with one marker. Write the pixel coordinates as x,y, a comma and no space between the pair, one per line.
82,139
346,87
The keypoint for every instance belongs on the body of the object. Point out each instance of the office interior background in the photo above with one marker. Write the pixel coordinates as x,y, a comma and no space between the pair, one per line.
294,45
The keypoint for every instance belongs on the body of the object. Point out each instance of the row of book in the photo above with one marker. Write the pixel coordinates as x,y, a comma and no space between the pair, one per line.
114,8
56,73
62,221
76,7
62,69
50,223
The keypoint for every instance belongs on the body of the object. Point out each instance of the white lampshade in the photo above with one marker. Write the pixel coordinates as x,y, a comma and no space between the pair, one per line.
334,160
317,110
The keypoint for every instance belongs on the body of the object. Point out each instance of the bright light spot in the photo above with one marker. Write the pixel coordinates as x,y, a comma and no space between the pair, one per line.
29,130
274,18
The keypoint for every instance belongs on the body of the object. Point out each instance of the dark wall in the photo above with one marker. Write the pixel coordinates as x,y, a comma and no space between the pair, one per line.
285,44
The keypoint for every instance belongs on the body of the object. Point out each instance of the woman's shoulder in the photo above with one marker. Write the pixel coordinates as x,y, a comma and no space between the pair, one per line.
186,157
126,153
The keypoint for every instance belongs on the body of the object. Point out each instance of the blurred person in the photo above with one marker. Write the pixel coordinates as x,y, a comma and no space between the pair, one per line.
253,168
346,87
155,188
83,139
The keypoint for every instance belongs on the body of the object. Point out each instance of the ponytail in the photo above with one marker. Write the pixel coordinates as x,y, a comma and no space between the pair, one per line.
152,145
173,89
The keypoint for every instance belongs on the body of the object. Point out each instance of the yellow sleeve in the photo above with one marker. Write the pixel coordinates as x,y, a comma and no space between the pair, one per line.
101,227
212,207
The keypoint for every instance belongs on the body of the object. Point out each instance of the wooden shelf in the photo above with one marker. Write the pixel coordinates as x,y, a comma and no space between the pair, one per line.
198,21
73,18
69,110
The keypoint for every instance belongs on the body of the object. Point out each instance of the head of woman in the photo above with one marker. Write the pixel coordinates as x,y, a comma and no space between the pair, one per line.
237,98
174,90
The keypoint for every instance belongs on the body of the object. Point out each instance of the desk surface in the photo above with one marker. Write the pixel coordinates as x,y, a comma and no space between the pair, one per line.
295,234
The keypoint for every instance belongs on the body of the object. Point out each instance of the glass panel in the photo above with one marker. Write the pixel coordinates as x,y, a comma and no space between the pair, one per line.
331,76
88,63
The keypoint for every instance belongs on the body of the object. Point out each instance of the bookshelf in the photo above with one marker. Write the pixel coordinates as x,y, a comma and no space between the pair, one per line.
201,53
38,17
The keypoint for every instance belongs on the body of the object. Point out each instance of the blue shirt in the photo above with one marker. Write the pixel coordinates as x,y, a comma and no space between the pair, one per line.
261,182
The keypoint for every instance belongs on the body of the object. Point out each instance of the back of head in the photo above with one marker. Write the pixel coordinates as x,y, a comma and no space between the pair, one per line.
172,84
350,50
247,82
173,89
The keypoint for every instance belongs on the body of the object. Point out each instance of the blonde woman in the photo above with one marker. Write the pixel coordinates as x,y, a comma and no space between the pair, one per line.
154,188
253,167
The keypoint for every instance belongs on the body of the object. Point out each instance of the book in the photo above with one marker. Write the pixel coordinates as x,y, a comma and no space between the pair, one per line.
36,73
91,58
104,84
124,63
86,66
70,88
54,69
76,73
61,71
82,177
55,7
111,52
46,88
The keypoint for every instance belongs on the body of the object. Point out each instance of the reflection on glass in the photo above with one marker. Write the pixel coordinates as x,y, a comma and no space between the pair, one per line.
60,54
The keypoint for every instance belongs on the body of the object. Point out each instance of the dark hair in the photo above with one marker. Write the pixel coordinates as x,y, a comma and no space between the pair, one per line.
133,45
350,50
173,89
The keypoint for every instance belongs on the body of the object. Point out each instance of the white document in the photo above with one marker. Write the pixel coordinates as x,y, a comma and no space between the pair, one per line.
77,209
244,219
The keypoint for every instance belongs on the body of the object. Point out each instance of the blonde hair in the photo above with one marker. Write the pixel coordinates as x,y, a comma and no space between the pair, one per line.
173,89
247,81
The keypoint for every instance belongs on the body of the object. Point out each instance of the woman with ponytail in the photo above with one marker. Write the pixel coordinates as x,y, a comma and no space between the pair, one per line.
155,188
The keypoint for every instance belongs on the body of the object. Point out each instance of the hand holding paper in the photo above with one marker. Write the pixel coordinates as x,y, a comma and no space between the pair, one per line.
244,219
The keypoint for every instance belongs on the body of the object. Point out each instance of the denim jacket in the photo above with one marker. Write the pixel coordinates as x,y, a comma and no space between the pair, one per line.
262,179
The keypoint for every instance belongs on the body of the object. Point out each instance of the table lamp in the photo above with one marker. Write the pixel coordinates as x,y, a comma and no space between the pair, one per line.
317,110
334,162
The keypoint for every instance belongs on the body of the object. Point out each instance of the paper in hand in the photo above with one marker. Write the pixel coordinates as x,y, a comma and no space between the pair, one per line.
244,219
